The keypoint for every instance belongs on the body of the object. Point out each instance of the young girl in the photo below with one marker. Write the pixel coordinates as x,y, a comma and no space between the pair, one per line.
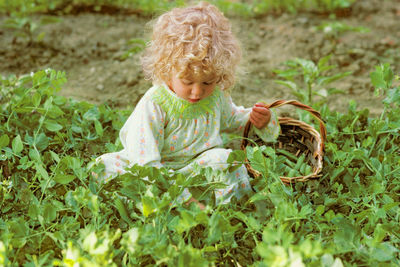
191,60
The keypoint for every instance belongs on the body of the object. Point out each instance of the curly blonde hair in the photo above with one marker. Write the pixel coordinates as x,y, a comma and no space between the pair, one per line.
192,40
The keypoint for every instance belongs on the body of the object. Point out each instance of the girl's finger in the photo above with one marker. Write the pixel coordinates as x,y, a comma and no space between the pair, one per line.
262,110
259,104
257,120
255,123
261,116
256,116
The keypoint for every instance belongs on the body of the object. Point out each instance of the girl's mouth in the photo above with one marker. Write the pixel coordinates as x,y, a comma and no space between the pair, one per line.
194,100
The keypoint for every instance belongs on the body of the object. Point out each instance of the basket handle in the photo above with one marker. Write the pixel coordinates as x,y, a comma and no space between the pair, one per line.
316,114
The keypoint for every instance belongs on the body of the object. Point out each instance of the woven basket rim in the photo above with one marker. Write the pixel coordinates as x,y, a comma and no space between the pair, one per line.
320,137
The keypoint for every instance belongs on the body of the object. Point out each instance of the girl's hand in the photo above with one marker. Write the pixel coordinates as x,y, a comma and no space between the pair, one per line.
260,115
199,204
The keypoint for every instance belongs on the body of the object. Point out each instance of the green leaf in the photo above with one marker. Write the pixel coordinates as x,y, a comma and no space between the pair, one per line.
119,205
186,222
148,206
42,142
377,79
34,155
330,79
236,156
288,74
17,145
42,172
382,78
52,126
337,263
379,233
33,211
320,210
36,98
49,212
383,252
393,96
18,227
64,178
40,36
323,62
391,205
256,158
4,141
288,84
55,112
98,127
307,65
49,20
54,156
332,91
92,114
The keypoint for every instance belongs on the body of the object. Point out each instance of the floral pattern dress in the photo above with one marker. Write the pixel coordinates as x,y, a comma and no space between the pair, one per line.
165,130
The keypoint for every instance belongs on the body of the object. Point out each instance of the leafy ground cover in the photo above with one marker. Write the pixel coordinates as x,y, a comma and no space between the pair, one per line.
53,212
95,48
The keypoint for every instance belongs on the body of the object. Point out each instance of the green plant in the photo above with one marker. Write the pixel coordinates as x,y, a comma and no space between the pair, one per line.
334,29
136,45
240,8
23,24
260,7
382,79
53,212
27,28
42,155
314,79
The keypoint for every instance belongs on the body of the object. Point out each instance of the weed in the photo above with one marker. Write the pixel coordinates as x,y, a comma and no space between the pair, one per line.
136,45
335,29
23,24
27,28
314,79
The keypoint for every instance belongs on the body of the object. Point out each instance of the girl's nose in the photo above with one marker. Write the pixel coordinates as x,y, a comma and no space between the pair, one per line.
196,90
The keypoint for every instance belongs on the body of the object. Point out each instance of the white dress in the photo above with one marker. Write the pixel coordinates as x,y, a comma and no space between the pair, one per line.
165,130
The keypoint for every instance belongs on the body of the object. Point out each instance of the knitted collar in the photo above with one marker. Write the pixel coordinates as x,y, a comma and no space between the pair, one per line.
181,108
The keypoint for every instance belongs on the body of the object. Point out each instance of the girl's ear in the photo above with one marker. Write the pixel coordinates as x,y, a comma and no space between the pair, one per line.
169,84
168,81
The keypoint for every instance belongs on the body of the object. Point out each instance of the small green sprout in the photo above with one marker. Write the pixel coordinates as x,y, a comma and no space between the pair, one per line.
315,78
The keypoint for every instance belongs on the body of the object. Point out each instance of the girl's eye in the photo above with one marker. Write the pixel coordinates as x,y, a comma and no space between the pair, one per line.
187,82
208,83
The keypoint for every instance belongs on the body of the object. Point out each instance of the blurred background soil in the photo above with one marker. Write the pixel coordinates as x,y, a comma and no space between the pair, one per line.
89,46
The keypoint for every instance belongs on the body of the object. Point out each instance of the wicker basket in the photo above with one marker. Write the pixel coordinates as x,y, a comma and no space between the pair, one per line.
295,137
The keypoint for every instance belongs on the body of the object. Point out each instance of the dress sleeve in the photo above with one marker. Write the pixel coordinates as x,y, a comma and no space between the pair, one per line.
143,134
234,118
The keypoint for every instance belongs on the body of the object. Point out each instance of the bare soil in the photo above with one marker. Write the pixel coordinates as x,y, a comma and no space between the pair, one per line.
89,46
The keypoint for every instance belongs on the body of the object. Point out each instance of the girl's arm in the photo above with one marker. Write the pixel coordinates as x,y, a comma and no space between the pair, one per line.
143,134
199,204
234,118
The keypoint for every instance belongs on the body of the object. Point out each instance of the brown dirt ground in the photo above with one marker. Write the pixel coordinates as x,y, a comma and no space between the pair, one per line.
89,46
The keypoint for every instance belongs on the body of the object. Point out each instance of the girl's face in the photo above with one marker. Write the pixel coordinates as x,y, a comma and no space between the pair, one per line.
193,88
